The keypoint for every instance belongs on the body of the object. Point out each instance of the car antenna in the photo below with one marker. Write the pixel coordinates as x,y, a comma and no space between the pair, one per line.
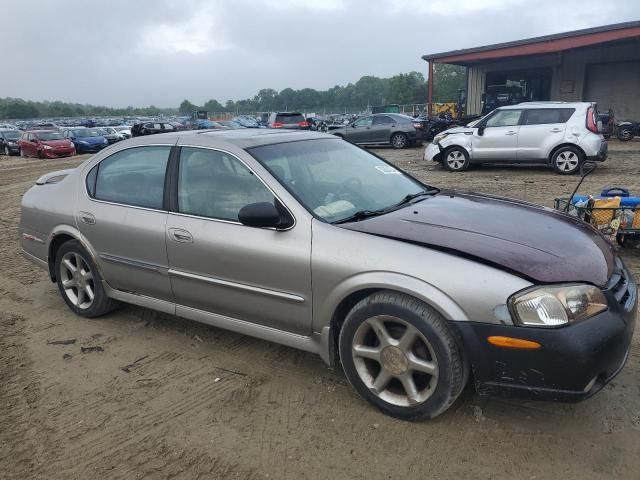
584,173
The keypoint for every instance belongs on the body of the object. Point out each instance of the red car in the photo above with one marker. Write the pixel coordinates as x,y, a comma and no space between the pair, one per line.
45,144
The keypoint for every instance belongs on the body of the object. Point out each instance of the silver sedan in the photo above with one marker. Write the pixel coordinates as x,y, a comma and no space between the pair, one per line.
304,239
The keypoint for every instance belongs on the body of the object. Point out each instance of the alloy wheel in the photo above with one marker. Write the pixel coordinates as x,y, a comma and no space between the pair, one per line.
77,280
399,141
567,161
395,361
456,160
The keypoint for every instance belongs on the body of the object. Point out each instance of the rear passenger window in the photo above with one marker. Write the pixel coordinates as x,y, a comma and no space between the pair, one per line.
383,120
132,177
214,184
548,115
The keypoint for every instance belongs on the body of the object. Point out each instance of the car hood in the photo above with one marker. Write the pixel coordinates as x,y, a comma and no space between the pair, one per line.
91,140
535,242
56,143
453,130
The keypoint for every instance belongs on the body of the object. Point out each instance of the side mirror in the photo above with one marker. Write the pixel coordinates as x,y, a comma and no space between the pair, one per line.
353,125
262,215
481,130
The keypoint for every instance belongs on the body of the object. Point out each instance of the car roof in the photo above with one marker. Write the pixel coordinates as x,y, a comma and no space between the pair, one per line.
42,130
545,105
242,138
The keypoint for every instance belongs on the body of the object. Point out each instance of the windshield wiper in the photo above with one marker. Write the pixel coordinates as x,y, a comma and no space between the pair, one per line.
412,196
360,215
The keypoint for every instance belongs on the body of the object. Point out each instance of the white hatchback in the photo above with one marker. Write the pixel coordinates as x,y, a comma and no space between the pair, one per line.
562,135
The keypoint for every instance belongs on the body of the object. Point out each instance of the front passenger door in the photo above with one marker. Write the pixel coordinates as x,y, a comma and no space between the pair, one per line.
499,140
256,275
360,130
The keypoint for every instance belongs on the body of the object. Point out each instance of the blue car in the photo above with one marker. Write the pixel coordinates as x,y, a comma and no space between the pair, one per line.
86,140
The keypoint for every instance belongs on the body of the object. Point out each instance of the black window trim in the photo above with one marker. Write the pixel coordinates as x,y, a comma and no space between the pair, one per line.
524,117
175,174
97,164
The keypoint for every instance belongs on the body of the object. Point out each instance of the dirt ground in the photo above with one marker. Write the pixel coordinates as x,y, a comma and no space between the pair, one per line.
169,398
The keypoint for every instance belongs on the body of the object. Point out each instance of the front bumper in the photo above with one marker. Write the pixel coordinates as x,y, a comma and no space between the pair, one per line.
13,149
57,153
432,153
80,148
573,363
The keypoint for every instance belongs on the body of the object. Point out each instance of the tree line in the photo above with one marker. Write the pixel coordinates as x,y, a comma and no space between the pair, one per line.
404,88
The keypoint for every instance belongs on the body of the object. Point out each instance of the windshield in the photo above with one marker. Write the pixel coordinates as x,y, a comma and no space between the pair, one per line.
87,132
45,136
335,179
11,134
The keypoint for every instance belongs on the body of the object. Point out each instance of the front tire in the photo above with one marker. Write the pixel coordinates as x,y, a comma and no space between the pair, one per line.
399,140
7,152
455,159
80,283
401,356
567,160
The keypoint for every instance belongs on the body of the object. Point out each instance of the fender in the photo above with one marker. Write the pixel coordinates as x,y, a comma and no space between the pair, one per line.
459,140
385,280
71,231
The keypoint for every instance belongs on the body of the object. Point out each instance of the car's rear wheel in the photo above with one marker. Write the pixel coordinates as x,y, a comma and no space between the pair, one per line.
399,140
625,134
566,160
401,356
80,283
455,159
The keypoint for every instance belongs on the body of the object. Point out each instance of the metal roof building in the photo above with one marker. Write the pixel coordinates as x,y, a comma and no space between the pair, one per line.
599,64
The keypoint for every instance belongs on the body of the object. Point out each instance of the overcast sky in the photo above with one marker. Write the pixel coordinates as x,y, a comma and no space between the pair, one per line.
142,52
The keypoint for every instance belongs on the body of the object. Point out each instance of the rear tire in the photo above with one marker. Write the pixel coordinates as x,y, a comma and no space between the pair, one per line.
625,134
401,356
455,159
399,140
567,160
80,283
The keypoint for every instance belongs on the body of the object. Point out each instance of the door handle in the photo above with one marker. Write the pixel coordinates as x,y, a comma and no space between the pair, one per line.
180,235
88,218
511,132
556,130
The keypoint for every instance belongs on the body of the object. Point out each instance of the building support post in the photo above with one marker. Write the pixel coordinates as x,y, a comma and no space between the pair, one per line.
430,89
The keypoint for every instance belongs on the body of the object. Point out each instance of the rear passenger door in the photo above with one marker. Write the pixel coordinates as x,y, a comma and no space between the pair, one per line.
121,211
541,130
381,128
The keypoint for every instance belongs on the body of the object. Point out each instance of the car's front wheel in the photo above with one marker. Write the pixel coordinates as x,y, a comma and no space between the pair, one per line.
566,160
80,283
401,356
455,159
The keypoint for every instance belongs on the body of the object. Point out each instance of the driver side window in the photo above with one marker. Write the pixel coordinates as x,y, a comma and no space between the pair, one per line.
216,185
504,118
363,122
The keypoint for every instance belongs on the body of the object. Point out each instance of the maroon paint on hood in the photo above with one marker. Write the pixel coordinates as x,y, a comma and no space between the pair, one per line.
536,242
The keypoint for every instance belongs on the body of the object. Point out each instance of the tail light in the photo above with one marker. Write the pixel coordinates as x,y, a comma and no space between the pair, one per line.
417,125
303,124
277,125
592,126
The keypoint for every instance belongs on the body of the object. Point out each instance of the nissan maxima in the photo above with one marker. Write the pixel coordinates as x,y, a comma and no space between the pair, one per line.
310,241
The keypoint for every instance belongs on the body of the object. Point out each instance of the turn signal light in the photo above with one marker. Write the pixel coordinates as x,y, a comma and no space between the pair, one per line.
277,125
509,342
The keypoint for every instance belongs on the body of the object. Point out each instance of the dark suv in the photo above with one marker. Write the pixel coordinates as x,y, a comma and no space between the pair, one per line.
151,128
292,120
393,129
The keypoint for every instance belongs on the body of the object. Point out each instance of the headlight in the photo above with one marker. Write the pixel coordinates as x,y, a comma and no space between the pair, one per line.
559,305
13,144
438,138
104,141
47,147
